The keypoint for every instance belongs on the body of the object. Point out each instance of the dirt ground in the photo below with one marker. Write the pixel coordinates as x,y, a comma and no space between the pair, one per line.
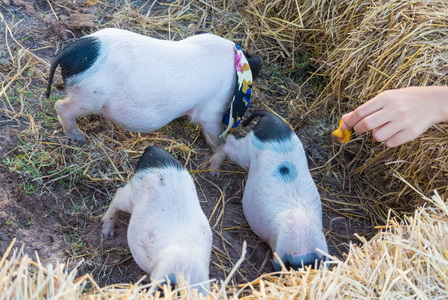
53,191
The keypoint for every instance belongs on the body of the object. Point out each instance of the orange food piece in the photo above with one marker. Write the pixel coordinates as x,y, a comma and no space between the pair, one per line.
340,135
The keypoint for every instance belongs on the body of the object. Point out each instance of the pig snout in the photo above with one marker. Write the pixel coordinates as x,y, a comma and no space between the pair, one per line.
171,281
298,252
311,260
297,237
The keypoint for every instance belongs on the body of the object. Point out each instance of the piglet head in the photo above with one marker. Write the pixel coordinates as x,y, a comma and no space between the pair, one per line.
300,234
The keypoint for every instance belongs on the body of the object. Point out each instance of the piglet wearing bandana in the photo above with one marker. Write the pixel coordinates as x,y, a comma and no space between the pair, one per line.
142,83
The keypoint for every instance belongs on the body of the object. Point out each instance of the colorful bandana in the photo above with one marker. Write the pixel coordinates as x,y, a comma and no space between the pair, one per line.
241,96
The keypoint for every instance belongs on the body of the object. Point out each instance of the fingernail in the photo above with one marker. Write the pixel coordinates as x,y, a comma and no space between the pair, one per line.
344,126
345,116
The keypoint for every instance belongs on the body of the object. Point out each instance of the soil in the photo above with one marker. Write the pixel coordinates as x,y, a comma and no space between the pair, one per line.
59,219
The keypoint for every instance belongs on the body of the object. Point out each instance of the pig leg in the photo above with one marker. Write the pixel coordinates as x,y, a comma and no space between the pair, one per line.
68,111
122,201
237,151
212,130
217,160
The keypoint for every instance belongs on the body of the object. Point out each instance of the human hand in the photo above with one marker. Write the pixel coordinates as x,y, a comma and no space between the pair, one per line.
399,116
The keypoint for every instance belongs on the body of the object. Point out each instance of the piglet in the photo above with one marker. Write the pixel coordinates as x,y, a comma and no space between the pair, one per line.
168,233
142,83
280,201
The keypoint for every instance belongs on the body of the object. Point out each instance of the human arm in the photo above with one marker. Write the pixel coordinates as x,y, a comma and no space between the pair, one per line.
401,115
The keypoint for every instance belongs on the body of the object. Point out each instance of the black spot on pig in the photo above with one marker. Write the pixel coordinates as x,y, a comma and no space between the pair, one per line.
155,157
269,128
283,170
76,58
79,56
286,172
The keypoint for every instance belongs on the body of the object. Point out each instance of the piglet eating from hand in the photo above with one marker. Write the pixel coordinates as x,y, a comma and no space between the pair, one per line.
168,233
142,83
280,201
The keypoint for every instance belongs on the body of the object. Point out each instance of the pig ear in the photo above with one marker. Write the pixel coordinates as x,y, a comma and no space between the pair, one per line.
270,127
201,32
255,62
155,157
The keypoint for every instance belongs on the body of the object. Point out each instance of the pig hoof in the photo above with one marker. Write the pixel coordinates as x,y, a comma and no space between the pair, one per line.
214,167
78,136
107,233
215,174
107,229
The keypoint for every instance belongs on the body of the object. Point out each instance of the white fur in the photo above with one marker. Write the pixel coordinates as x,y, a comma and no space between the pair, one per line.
168,231
141,83
288,216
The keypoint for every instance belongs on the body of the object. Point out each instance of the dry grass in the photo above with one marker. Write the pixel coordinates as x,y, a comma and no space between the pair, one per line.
407,259
323,58
364,48
22,278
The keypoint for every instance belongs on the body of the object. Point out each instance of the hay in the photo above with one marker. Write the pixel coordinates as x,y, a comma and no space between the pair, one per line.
396,45
407,259
363,48
22,278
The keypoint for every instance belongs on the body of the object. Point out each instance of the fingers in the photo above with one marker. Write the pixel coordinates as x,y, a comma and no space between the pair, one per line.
369,122
392,137
350,120
399,138
394,134
386,131
391,134
347,115
373,121
343,118
397,116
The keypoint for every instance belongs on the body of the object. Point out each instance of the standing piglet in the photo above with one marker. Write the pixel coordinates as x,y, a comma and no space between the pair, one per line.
141,83
280,200
168,232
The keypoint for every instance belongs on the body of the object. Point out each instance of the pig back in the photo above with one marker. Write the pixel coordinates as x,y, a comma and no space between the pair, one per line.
278,181
155,81
166,216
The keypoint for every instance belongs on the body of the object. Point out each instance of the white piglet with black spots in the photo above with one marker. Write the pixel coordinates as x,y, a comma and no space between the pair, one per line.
142,83
168,233
280,201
